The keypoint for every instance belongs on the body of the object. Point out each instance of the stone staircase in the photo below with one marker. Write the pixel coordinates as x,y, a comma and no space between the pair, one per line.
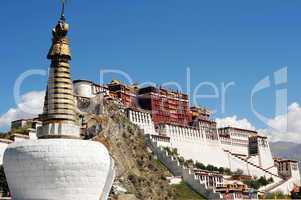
249,157
252,164
269,168
273,186
278,181
177,169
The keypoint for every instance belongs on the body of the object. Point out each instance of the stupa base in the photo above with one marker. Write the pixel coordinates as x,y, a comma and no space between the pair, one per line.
53,169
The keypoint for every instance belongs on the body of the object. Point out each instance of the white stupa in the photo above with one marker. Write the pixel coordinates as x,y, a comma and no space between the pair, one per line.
59,166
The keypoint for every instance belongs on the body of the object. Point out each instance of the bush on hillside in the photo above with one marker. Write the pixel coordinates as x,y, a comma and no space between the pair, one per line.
276,195
199,165
257,183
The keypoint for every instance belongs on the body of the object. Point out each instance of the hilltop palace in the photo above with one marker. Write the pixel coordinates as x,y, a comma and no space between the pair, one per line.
166,117
163,115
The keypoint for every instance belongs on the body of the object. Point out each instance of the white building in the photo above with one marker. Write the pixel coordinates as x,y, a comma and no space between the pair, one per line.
233,148
236,140
211,180
88,89
142,119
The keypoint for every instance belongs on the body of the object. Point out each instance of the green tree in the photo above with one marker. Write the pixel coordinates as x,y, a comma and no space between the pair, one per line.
167,149
271,180
227,171
181,160
200,166
221,170
175,152
252,184
189,163
263,181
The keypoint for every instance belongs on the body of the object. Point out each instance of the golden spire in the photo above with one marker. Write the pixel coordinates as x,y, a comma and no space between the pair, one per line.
63,10
59,106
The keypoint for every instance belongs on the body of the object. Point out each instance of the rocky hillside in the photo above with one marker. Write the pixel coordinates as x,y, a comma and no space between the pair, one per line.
138,173
139,176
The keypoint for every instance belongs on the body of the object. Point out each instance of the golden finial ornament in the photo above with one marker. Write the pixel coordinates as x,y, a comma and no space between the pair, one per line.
63,10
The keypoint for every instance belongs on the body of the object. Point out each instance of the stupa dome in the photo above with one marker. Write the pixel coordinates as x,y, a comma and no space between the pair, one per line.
58,169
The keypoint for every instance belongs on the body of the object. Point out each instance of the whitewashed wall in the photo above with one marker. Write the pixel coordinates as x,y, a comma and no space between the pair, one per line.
265,155
254,159
296,175
83,89
192,144
143,120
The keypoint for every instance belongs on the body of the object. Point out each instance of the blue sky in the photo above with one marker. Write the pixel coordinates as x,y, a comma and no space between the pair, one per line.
156,40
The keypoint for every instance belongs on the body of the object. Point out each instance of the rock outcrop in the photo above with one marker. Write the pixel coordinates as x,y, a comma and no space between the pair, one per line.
136,169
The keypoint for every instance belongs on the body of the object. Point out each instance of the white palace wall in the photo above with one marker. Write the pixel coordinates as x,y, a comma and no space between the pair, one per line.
192,144
254,159
236,148
265,155
235,140
88,89
83,89
143,120
200,145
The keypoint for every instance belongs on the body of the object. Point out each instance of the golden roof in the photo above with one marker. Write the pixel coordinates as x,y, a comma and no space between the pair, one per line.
115,81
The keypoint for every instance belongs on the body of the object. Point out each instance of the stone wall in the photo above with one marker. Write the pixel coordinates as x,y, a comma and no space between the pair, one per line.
192,143
265,155
177,170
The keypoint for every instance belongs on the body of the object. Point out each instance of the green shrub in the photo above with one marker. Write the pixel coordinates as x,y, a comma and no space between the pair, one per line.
199,165
257,183
181,160
276,195
189,163
227,171
221,170
174,152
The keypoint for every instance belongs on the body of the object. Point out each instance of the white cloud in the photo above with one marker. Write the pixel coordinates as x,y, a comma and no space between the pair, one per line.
285,127
234,122
30,105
